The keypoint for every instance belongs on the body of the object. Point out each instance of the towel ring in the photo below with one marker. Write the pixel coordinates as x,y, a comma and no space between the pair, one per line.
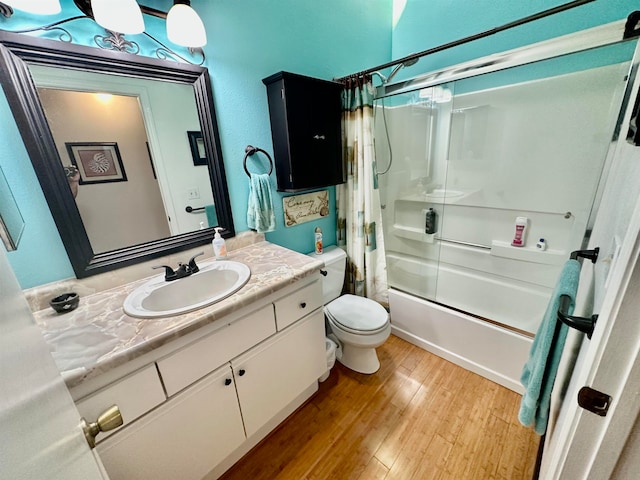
250,150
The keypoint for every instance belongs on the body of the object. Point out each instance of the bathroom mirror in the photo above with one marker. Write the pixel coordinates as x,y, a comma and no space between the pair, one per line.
29,67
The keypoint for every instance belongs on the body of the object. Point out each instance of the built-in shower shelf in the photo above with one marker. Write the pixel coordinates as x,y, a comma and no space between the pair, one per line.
528,254
412,233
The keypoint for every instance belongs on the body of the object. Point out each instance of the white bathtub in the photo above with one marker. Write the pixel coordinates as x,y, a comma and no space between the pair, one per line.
482,347
487,348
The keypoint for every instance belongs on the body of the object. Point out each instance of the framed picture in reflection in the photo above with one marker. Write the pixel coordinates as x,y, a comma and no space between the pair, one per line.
198,151
97,162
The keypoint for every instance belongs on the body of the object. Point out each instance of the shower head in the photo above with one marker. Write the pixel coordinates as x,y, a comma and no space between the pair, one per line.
383,79
397,68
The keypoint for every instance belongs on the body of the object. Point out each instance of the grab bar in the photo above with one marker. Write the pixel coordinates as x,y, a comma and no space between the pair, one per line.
190,209
466,244
582,324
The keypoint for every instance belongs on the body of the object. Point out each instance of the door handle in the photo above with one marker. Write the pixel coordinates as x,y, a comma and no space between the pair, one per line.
108,420
594,401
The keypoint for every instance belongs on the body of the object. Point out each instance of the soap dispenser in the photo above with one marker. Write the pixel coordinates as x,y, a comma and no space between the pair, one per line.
219,246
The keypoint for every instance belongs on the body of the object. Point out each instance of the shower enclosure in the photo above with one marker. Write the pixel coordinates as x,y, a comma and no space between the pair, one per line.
469,150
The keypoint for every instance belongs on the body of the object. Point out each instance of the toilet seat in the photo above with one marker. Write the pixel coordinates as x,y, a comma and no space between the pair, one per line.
357,315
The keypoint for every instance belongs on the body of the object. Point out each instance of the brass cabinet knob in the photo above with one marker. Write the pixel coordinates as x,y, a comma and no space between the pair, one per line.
108,420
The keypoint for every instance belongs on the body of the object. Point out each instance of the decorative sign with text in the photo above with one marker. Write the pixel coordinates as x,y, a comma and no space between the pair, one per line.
305,208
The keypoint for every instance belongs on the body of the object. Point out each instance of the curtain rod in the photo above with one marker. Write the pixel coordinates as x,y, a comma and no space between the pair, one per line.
477,36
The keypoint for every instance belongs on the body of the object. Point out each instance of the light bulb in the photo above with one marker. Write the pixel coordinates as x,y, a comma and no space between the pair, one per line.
123,16
39,7
185,27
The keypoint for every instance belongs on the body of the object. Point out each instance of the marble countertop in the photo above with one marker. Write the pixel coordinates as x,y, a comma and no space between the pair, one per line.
99,336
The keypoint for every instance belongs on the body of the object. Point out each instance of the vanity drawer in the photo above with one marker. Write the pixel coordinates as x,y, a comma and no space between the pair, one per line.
135,395
298,304
194,361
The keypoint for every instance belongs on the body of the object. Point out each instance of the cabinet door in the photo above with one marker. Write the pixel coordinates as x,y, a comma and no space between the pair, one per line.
305,117
313,110
125,393
273,374
184,438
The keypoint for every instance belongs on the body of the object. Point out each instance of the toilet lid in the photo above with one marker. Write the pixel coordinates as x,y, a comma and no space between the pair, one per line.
357,313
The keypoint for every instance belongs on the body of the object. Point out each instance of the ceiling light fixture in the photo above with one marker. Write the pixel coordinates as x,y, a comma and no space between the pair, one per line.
184,25
122,16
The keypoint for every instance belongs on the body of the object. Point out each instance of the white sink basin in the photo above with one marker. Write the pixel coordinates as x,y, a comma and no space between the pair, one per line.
215,281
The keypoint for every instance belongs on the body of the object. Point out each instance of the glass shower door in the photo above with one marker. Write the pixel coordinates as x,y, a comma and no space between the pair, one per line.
527,143
411,142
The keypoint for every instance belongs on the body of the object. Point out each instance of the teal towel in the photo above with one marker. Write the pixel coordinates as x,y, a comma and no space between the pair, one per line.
212,216
540,371
260,214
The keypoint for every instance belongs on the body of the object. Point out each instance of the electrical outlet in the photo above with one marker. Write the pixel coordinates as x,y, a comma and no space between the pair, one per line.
193,193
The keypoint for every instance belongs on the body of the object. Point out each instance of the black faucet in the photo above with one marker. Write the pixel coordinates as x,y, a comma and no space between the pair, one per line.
182,270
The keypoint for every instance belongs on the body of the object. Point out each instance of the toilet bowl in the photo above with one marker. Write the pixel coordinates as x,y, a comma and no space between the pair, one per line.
359,324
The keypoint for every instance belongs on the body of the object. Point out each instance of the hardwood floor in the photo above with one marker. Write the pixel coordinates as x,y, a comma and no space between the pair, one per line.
418,417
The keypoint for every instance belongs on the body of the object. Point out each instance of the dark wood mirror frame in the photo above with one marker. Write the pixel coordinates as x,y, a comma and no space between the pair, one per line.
17,52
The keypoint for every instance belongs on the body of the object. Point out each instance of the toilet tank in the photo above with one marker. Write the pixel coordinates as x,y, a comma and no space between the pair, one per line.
335,262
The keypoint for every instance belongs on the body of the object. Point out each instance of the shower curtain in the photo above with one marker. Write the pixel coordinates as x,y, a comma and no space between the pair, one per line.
359,216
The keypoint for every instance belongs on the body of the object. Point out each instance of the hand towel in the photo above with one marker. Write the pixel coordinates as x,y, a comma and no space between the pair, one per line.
541,368
260,214
212,216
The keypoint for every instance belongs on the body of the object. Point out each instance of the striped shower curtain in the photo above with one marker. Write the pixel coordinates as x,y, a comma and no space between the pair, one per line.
359,216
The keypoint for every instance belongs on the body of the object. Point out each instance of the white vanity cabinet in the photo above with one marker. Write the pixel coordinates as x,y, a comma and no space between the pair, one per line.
183,439
222,392
276,372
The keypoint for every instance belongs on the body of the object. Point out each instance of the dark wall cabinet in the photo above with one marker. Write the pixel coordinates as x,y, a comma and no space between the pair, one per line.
305,126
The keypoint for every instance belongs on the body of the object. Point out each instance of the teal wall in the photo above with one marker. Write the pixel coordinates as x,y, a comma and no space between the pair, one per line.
251,39
247,41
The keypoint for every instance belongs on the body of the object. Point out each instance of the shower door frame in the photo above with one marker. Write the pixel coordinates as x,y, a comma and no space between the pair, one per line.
601,36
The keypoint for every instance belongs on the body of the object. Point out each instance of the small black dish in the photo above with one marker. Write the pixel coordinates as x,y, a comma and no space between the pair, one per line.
65,302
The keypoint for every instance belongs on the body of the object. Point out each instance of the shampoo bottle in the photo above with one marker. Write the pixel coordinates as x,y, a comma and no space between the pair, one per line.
219,246
430,221
521,231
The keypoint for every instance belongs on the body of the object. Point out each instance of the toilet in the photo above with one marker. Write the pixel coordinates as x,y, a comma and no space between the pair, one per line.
359,324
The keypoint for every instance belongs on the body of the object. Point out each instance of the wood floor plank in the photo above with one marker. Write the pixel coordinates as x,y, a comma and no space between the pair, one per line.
432,465
419,417
415,414
374,471
377,418
419,436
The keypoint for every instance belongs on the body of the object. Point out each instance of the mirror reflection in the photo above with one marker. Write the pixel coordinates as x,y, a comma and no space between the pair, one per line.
124,144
